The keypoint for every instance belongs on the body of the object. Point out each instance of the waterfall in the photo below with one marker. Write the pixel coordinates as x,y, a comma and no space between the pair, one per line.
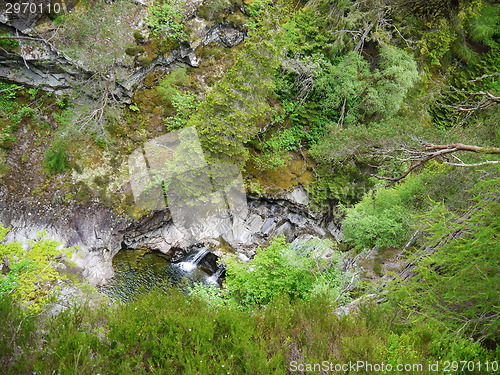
215,277
191,263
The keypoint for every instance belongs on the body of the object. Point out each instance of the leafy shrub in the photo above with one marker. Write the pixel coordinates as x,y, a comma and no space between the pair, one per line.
383,218
484,27
363,228
31,273
165,18
282,269
173,83
185,104
456,286
56,158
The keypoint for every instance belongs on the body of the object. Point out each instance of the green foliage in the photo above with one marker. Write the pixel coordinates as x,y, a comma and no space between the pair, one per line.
236,107
437,43
456,286
7,138
486,26
17,330
383,217
56,158
97,35
347,89
22,113
275,149
32,273
396,76
183,336
134,108
341,86
317,27
214,10
165,19
173,89
170,333
173,83
257,7
464,81
185,105
296,272
8,106
8,44
135,50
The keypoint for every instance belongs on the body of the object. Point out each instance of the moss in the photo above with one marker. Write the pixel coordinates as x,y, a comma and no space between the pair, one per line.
237,18
144,61
134,51
10,45
138,37
297,171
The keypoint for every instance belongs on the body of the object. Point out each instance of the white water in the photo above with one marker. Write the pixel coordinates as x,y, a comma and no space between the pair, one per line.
192,262
213,279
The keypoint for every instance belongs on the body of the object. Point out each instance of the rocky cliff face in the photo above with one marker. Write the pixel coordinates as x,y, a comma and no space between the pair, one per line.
98,234
39,63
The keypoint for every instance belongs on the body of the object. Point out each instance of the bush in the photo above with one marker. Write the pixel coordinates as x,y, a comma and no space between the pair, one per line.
31,273
456,286
56,158
8,44
296,271
165,19
365,228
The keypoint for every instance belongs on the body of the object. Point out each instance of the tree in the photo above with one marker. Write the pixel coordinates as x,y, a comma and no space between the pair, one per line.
238,105
455,283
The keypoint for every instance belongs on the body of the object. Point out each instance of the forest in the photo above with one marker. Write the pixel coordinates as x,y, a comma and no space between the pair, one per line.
364,136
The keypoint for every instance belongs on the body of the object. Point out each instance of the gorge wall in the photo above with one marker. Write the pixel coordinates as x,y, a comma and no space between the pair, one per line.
98,233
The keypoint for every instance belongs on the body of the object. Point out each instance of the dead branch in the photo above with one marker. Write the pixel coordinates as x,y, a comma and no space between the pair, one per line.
433,151
463,147
474,164
22,38
485,76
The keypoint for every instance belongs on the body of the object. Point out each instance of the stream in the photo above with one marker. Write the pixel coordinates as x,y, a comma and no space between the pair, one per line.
139,271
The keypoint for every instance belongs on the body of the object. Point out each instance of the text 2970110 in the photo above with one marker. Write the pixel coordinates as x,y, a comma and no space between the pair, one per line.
33,7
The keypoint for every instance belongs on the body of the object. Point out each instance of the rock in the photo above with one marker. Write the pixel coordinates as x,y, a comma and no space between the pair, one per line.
100,234
335,229
267,226
199,27
354,306
187,54
255,222
299,196
225,34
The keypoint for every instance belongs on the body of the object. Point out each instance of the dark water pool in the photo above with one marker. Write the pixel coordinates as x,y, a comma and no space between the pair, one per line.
138,271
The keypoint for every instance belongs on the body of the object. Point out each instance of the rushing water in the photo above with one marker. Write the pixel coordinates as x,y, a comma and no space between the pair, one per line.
138,271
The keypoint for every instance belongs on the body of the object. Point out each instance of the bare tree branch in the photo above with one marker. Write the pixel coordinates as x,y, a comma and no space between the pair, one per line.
463,147
485,76
22,38
432,151
474,164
